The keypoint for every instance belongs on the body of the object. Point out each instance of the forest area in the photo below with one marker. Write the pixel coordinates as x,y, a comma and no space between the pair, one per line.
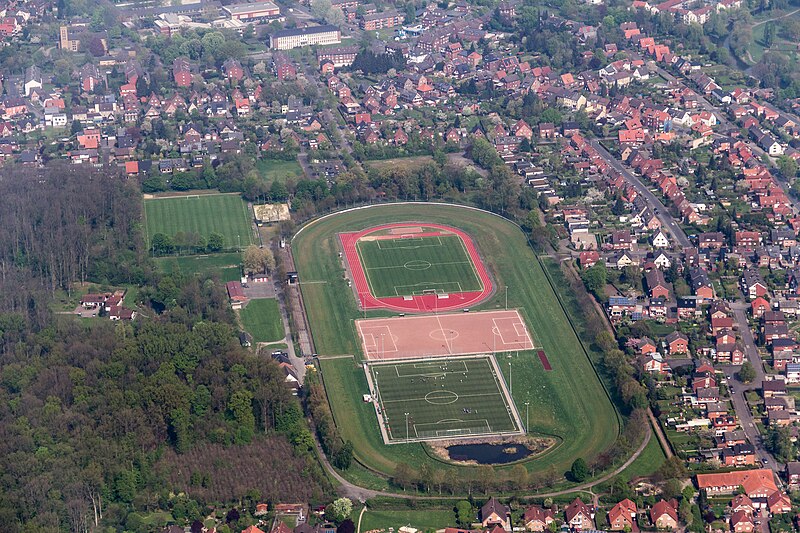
103,423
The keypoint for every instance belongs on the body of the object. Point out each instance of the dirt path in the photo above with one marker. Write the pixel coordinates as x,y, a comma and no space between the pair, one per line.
776,18
662,438
360,516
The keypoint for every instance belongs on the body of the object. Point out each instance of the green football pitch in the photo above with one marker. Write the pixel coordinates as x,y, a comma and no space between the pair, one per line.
411,266
203,214
443,399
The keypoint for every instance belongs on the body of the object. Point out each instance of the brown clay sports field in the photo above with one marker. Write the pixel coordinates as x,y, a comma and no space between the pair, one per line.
443,335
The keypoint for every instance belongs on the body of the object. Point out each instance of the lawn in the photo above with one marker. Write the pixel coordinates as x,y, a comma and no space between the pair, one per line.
443,398
274,169
568,403
648,462
262,319
423,519
226,214
410,266
226,265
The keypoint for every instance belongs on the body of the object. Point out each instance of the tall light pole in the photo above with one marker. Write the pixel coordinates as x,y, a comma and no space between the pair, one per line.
406,427
506,297
383,347
510,386
526,416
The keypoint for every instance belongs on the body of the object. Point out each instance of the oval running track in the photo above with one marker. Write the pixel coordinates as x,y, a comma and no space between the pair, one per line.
426,303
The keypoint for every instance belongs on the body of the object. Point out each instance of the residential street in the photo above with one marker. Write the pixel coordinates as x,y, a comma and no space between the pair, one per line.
738,395
653,201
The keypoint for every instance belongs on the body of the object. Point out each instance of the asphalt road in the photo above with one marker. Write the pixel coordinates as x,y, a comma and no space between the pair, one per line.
738,395
661,212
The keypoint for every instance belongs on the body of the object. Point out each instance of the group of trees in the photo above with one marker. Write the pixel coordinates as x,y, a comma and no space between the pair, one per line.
94,406
60,225
210,47
324,10
186,242
339,452
257,260
89,412
369,62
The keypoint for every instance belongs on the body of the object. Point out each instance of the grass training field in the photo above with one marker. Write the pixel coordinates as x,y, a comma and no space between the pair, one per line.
226,214
410,266
262,319
568,403
443,398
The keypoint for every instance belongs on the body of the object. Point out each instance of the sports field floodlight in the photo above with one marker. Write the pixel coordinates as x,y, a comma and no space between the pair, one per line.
526,415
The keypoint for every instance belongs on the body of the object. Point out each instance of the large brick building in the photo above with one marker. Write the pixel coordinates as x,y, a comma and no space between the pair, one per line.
377,21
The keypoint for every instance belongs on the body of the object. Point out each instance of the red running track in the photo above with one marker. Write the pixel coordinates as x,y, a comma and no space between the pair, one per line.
427,303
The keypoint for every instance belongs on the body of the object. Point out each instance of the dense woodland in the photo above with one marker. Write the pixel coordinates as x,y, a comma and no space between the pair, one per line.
101,422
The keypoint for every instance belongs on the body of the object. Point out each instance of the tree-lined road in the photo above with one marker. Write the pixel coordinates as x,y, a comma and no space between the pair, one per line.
739,389
658,208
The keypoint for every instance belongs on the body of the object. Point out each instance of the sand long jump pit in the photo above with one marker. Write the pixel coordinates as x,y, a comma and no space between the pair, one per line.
442,335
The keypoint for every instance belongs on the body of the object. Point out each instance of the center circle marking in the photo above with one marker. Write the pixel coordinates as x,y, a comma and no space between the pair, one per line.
443,334
417,264
441,397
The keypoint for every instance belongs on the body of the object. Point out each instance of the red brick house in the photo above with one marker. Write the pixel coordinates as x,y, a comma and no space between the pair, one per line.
656,284
623,516
759,306
547,130
523,130
233,70
182,72
494,513
779,503
579,516
664,514
646,346
678,343
742,522
537,518
588,258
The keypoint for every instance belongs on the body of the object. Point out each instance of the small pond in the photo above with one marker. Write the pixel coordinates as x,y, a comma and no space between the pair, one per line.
489,454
